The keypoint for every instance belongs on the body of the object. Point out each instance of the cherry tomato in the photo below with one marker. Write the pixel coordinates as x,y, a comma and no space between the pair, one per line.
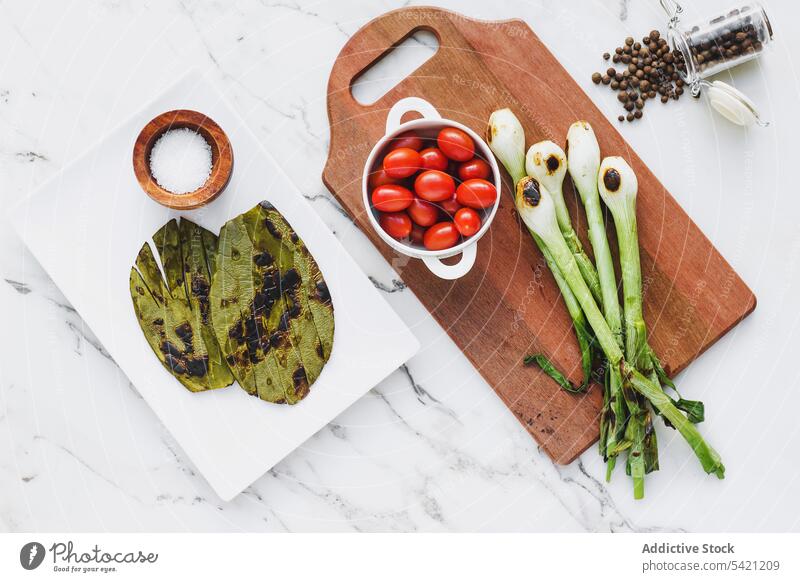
396,224
476,193
417,235
422,212
475,168
433,159
401,163
456,144
450,207
379,178
391,198
467,221
442,235
409,139
434,186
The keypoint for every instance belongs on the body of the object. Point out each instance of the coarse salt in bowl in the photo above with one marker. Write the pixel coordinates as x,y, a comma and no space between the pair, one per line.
181,160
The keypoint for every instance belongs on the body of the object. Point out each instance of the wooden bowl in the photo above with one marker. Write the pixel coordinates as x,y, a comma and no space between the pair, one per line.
221,158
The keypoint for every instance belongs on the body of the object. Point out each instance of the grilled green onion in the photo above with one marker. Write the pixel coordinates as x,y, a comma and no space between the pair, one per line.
506,138
536,208
547,162
620,411
618,186
583,163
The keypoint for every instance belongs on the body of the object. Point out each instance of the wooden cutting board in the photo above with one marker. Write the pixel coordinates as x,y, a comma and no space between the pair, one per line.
508,305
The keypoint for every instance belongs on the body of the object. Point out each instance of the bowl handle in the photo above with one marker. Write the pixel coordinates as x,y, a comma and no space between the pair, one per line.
405,105
450,272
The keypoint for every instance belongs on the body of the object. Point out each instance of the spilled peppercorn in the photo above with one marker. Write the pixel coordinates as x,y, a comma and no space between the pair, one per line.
651,69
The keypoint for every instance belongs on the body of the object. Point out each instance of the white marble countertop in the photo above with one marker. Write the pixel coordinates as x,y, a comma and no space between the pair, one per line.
431,448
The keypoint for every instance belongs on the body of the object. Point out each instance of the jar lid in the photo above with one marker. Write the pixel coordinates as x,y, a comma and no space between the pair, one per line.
732,104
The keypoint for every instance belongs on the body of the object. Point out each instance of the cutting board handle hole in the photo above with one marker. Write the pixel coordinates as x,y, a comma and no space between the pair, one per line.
391,68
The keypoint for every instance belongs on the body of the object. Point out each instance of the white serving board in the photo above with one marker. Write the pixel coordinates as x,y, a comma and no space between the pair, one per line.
86,226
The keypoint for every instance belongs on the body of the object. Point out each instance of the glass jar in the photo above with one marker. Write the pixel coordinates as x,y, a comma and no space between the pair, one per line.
708,48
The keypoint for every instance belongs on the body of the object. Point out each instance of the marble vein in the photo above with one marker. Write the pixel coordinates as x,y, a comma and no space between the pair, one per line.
623,10
19,286
30,156
89,468
396,285
82,334
326,197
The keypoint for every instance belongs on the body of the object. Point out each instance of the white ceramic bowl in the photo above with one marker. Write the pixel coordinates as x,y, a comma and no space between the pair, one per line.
431,122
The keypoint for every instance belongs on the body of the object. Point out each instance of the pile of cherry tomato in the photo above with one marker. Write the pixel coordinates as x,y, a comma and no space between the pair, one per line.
433,193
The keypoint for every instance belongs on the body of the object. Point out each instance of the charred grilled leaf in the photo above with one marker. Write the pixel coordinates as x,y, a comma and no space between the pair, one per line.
174,314
274,341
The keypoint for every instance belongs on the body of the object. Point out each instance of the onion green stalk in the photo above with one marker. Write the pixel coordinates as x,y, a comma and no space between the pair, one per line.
547,162
536,208
506,138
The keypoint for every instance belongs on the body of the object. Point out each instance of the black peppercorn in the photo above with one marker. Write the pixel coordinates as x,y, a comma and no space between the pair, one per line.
651,70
